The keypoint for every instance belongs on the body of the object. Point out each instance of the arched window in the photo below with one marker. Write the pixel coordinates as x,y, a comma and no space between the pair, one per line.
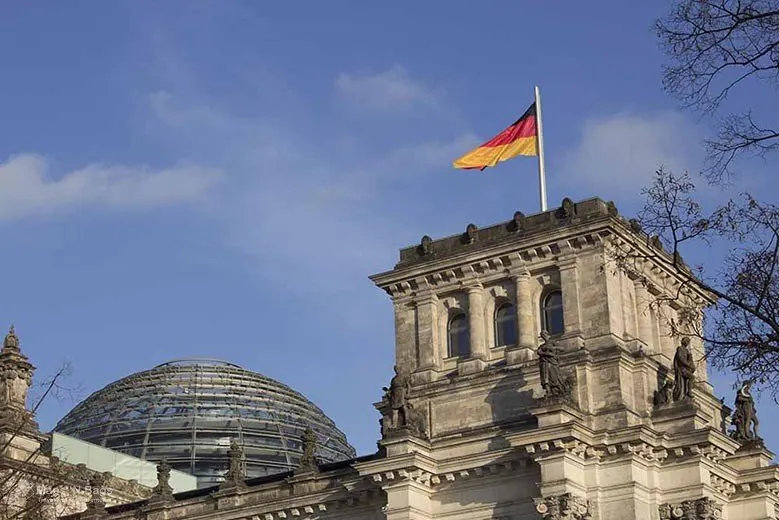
505,325
552,313
459,339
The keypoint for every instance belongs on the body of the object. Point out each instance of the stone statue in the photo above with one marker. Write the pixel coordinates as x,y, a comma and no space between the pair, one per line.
552,380
684,371
11,340
308,459
163,490
397,393
745,415
399,414
664,394
235,475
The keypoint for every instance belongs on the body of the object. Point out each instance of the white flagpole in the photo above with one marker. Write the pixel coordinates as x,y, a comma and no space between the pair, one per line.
541,170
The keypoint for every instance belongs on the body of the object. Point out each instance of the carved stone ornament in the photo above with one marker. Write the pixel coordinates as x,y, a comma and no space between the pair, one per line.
162,492
95,504
398,413
684,371
308,460
664,394
612,208
700,509
426,246
517,221
11,340
553,382
567,208
235,475
470,234
745,416
635,226
564,507
656,242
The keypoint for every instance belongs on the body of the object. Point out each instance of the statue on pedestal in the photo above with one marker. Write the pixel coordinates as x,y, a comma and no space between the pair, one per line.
397,394
745,415
162,492
401,415
308,459
235,476
684,371
552,380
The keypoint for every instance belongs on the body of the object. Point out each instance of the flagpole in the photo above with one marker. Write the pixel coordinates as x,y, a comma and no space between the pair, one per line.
541,169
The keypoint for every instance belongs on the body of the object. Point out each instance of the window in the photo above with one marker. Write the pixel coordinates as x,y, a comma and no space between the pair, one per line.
459,339
505,325
552,313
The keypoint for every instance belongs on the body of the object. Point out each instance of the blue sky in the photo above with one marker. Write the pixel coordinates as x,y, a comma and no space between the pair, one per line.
220,178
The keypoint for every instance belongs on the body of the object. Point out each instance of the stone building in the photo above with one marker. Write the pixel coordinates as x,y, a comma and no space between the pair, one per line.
34,484
533,380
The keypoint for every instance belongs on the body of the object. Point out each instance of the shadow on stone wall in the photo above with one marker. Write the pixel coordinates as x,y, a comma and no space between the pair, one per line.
510,401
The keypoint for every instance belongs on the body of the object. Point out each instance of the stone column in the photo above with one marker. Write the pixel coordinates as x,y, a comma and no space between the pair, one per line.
406,351
569,285
476,323
643,316
428,357
524,306
476,331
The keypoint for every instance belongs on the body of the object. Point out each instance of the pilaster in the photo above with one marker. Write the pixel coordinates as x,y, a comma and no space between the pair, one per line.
644,316
427,341
476,322
405,332
569,285
526,340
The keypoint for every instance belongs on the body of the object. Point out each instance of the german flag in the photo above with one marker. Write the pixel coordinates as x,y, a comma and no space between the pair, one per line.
521,138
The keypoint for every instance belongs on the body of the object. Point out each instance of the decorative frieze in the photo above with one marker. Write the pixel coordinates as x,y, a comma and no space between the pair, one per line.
701,509
564,507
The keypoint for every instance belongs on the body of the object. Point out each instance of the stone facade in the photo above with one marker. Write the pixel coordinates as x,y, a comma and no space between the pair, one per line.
474,436
33,484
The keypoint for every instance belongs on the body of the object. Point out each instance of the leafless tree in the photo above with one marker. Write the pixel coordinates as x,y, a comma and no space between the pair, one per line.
740,330
715,47
37,486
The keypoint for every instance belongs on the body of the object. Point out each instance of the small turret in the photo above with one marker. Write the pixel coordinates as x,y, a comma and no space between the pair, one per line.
16,373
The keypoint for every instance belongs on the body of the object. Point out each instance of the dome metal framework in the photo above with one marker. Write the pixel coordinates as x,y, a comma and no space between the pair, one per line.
188,411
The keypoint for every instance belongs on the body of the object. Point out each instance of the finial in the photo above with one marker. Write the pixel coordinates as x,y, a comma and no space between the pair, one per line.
11,339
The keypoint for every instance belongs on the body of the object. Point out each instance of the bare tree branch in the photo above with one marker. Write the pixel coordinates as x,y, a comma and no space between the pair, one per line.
741,330
714,47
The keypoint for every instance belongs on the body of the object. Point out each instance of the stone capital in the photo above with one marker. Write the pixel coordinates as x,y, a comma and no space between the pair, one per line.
699,509
564,507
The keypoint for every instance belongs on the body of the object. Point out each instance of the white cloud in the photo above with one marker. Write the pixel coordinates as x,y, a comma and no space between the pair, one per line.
388,91
617,155
293,190
27,188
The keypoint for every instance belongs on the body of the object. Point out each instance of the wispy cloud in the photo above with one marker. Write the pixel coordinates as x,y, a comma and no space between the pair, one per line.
294,190
384,92
27,187
617,155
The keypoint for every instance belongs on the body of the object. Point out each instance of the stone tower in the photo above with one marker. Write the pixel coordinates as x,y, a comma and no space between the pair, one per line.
18,429
470,427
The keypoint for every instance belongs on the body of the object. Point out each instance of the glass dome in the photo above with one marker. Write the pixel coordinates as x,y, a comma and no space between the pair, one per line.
188,411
